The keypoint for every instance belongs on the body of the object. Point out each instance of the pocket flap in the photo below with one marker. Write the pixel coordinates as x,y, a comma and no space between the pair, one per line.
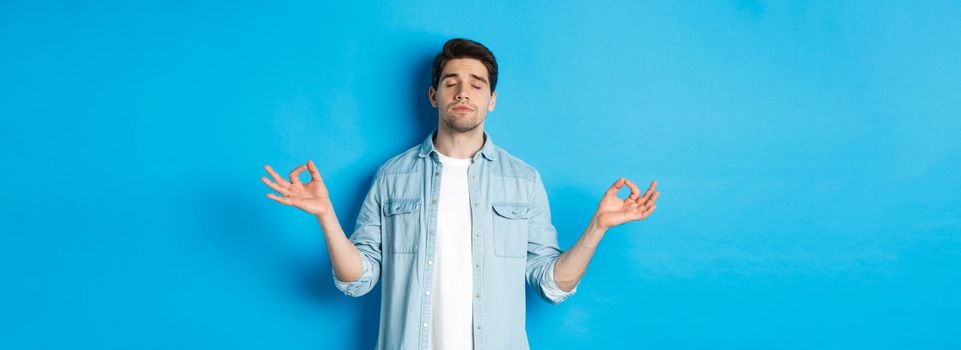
512,210
400,206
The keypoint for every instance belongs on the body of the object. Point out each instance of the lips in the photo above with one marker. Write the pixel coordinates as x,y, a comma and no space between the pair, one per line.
463,109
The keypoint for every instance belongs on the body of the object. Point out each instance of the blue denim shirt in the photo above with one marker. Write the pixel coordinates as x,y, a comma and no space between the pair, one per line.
513,241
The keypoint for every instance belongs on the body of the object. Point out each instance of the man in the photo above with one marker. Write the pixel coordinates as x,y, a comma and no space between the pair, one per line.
452,227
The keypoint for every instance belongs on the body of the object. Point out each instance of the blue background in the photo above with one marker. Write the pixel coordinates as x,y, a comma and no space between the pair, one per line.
808,156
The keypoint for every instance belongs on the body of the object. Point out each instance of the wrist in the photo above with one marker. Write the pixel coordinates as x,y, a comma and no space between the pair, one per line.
596,224
327,218
595,230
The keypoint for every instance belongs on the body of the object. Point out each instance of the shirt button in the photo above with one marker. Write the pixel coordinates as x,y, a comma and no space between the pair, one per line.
478,327
430,262
475,204
428,293
477,266
478,296
437,174
425,324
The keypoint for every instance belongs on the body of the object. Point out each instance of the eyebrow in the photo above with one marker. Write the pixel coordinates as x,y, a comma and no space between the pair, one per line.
475,76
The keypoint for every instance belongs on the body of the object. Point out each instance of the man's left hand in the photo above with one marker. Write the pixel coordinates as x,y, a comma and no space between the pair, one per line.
613,210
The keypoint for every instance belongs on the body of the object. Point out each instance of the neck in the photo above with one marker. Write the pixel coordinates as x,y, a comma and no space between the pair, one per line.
461,145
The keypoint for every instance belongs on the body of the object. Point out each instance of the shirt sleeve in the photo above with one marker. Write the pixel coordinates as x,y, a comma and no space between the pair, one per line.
367,239
542,248
552,292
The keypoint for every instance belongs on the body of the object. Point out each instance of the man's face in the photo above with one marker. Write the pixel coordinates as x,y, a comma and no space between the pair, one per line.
463,96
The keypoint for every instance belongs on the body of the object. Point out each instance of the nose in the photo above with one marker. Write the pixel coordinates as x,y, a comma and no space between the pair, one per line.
461,94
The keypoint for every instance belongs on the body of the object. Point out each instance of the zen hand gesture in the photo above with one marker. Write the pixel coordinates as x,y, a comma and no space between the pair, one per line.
311,197
613,210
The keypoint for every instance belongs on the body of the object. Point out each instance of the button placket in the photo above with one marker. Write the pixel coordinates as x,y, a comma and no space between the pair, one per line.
431,236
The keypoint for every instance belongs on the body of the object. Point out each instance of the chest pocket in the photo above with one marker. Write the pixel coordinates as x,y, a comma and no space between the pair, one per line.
402,218
510,229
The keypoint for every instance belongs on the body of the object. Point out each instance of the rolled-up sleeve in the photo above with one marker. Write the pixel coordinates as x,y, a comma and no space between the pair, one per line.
367,239
542,248
552,292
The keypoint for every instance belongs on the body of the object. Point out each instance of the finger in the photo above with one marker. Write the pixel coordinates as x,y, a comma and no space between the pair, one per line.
635,192
653,198
281,200
274,186
641,211
647,199
314,174
616,187
648,212
648,193
295,174
276,176
637,213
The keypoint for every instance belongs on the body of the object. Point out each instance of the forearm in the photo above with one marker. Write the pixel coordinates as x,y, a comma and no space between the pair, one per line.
344,256
572,264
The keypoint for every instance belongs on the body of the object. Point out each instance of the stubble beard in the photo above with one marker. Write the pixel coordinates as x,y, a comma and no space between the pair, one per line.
462,123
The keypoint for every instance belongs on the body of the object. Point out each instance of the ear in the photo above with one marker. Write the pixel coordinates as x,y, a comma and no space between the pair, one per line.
490,106
432,96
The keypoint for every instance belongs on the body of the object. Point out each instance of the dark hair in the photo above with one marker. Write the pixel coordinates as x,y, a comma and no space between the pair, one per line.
465,48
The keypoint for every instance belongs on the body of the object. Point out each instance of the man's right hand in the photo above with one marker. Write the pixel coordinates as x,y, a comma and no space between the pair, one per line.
311,197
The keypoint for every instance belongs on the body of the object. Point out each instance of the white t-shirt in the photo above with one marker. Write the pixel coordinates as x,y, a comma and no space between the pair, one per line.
451,303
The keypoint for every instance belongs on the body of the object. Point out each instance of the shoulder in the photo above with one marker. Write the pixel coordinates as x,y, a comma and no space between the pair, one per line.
509,165
404,163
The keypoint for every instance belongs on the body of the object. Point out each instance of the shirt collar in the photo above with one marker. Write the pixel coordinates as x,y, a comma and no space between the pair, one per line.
427,147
